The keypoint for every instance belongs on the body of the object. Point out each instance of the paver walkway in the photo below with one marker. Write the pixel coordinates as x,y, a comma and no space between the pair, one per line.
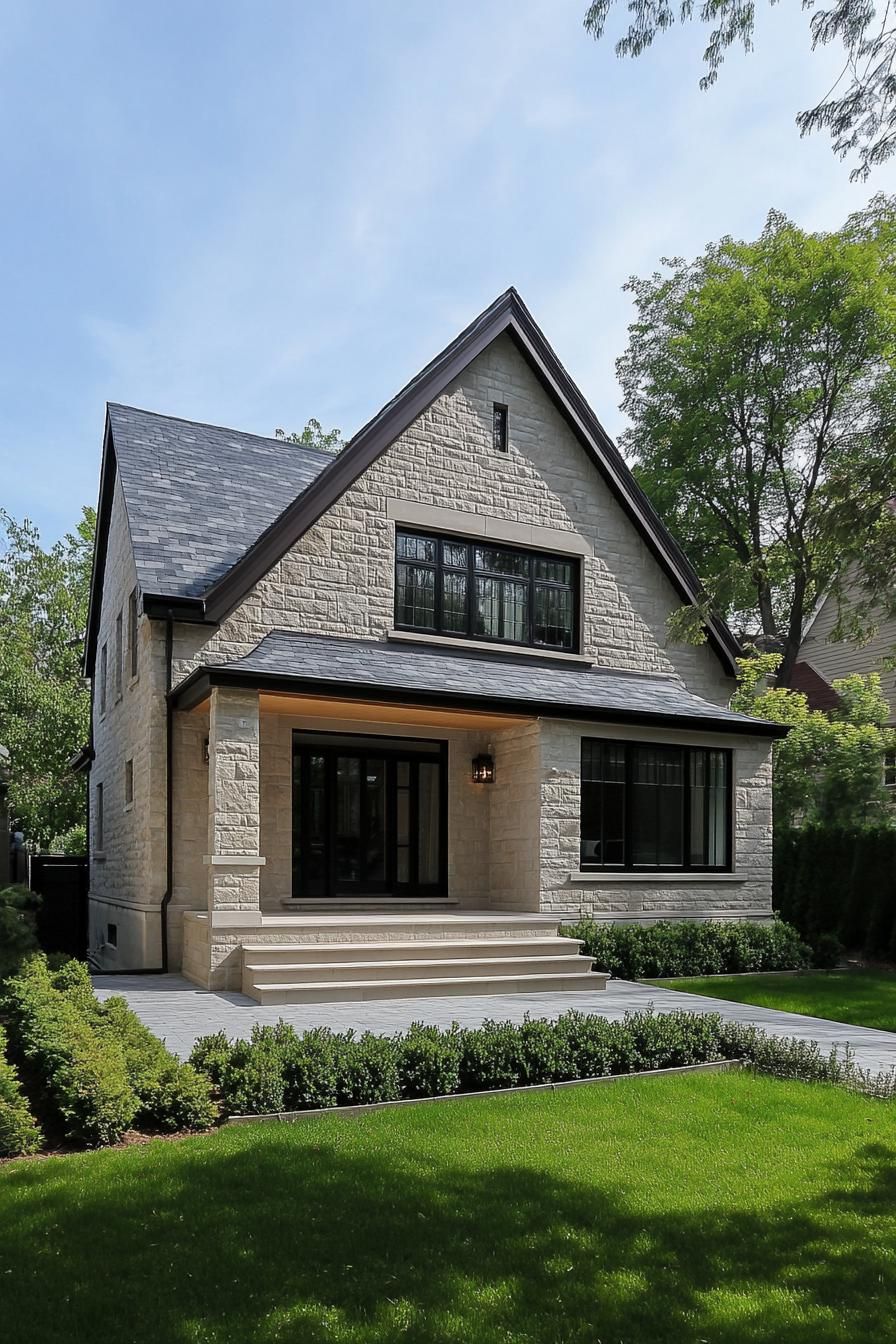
179,1012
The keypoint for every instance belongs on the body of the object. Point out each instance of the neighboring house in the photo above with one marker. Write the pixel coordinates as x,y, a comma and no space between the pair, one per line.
375,724
830,659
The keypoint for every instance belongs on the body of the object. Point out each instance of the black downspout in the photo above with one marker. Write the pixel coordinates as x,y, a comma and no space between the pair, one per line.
169,791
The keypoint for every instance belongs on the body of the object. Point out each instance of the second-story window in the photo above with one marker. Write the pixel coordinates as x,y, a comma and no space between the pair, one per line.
499,427
119,651
132,633
104,674
466,588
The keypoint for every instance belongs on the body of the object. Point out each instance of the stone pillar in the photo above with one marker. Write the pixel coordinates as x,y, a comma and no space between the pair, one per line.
234,863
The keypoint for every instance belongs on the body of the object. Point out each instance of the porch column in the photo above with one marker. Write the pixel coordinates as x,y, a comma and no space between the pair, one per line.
234,863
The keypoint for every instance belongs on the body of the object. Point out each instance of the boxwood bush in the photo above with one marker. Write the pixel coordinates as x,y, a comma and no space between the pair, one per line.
84,1077
279,1069
19,1131
18,926
654,951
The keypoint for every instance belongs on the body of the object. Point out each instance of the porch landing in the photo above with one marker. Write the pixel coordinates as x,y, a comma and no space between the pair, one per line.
336,958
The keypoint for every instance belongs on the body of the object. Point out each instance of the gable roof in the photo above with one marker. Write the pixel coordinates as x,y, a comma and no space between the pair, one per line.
209,583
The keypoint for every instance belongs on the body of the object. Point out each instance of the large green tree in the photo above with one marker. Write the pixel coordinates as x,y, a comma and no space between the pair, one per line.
44,702
759,382
859,111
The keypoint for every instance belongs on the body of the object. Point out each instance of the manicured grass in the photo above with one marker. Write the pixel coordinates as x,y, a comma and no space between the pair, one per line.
727,1208
862,998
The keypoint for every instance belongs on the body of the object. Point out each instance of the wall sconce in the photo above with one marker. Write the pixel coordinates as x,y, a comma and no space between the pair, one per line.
483,769
205,752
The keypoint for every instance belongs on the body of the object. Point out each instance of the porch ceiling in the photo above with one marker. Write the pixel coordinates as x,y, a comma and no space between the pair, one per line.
318,707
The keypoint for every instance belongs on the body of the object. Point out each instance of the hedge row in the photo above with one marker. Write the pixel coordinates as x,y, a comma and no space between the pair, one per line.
281,1070
18,925
101,1070
839,882
19,1131
653,951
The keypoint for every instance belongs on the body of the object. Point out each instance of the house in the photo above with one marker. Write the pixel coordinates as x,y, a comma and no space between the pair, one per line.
383,720
831,659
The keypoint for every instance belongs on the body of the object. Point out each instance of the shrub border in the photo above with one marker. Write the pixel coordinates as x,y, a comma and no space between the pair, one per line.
290,1117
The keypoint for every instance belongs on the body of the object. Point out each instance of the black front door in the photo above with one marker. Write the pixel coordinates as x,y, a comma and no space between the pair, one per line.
369,816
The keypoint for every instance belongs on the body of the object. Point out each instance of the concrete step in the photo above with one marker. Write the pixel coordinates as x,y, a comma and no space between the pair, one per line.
294,954
256,973
336,992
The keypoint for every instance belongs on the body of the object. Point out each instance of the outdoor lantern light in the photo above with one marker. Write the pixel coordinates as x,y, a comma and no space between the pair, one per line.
483,770
205,751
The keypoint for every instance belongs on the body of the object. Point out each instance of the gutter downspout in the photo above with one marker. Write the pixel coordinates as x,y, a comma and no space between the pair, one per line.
169,790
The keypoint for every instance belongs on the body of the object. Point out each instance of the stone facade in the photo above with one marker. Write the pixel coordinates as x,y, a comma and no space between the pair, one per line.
513,845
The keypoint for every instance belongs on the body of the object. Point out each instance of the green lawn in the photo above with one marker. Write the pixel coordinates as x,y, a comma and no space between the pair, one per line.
721,1208
862,998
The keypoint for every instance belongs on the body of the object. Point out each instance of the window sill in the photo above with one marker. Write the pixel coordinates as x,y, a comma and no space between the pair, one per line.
675,878
128,807
99,856
132,681
474,645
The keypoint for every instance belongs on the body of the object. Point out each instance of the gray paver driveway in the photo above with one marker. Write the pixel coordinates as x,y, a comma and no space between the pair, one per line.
179,1012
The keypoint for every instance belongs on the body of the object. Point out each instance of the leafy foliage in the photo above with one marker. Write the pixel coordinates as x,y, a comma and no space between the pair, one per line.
18,934
759,380
19,1132
829,768
653,951
44,702
314,436
860,114
838,886
259,1076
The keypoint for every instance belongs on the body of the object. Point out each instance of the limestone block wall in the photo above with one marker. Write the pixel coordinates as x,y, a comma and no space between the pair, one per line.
745,893
338,578
128,871
514,850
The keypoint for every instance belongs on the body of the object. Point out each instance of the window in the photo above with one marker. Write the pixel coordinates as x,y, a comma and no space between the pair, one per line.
104,671
451,586
132,632
119,651
112,935
128,783
890,769
98,820
650,806
499,427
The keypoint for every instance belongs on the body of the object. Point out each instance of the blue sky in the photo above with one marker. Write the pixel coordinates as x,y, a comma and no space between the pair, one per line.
254,214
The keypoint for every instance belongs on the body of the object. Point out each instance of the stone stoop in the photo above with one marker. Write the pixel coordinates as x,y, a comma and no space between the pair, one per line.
388,957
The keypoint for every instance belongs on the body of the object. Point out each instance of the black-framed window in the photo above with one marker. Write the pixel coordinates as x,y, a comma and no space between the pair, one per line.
479,590
499,427
647,805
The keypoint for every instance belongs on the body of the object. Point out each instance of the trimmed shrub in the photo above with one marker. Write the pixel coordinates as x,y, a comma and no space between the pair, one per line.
840,882
18,936
368,1070
211,1055
84,1076
19,1131
655,951
428,1061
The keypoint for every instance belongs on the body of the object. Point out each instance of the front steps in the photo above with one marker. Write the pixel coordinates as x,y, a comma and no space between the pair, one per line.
415,956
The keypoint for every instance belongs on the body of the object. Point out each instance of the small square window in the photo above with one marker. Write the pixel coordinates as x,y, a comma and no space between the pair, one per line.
112,935
128,783
499,427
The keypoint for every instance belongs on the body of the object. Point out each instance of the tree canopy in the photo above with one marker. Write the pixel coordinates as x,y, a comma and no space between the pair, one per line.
314,436
44,701
759,382
829,767
859,111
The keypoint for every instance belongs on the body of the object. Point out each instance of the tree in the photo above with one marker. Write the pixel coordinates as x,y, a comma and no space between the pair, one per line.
44,702
829,768
859,111
314,436
759,380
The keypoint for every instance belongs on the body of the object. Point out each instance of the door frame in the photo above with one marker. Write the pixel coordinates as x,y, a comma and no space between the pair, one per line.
389,748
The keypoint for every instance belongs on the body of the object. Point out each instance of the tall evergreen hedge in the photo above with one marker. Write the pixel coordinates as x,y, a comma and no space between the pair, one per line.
839,881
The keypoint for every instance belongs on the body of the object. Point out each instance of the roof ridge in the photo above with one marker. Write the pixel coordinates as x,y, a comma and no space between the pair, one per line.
225,429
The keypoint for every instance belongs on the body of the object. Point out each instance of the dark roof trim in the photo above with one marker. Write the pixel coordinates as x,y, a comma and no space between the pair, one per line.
508,313
81,760
190,609
100,545
198,685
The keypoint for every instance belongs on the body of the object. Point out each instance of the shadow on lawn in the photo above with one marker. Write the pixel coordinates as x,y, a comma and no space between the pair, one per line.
309,1244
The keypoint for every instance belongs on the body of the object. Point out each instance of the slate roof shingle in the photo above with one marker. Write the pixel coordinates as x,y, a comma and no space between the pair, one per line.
408,671
198,496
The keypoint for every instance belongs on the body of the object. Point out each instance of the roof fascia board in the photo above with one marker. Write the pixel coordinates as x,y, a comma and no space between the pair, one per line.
100,546
199,684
